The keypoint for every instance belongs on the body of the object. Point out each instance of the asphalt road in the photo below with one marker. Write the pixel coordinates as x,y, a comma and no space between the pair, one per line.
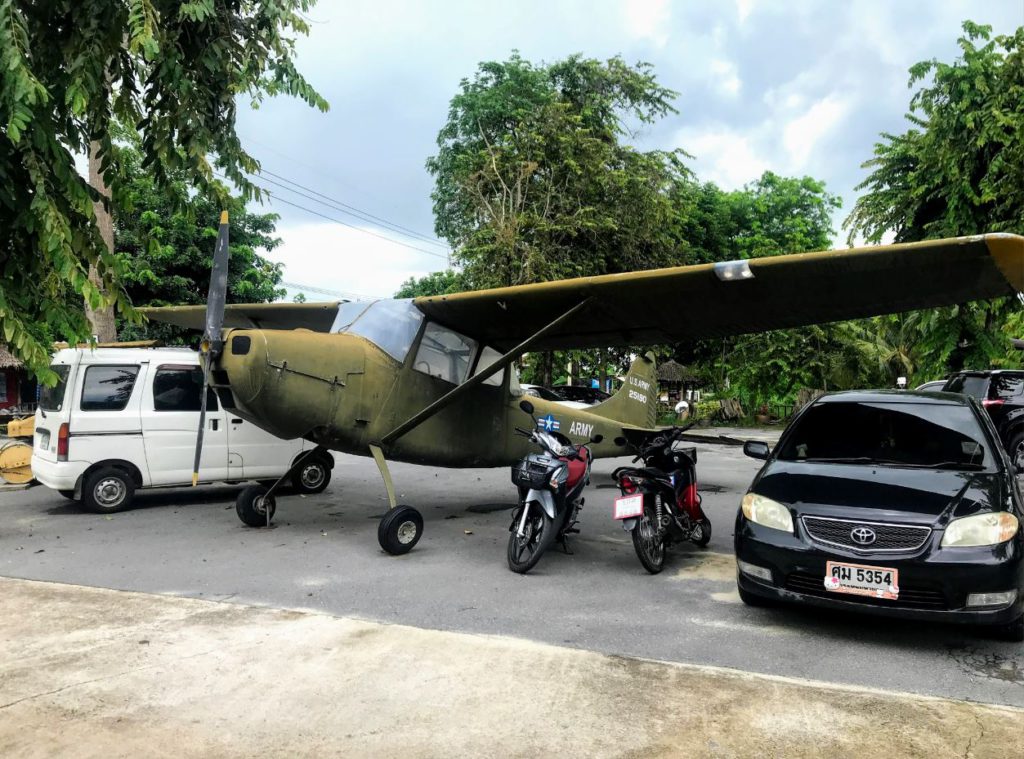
323,555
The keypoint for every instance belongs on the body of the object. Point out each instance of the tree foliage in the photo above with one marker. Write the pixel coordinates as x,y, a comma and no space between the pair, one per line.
436,283
170,70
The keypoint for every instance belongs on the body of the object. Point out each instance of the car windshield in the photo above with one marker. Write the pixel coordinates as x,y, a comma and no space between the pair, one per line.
889,434
968,384
391,325
52,398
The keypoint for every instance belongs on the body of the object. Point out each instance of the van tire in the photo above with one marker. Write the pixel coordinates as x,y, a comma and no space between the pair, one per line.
107,490
69,494
313,476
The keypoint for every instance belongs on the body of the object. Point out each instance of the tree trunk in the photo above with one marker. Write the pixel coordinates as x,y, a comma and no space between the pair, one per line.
547,360
102,320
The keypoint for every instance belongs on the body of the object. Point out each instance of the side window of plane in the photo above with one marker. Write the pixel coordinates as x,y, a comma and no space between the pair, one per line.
444,354
177,388
487,357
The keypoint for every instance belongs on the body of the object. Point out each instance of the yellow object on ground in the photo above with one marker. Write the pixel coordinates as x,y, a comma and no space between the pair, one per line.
22,427
16,462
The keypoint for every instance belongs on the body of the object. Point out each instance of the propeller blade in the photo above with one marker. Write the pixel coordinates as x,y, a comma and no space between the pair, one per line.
212,343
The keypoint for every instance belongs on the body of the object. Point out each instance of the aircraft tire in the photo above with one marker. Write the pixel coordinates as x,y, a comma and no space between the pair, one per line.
400,530
253,505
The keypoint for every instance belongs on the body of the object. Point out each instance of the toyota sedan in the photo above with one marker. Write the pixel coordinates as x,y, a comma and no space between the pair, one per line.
893,503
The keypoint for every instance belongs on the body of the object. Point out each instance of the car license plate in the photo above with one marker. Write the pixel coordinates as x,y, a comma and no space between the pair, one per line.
629,506
862,580
44,440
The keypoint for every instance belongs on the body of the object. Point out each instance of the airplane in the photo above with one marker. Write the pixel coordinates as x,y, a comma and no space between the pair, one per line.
431,380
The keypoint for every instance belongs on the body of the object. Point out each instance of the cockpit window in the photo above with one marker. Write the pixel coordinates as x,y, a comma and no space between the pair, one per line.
444,354
487,357
391,325
348,313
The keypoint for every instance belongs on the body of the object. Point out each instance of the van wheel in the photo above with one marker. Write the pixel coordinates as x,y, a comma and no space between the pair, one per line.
312,476
107,490
254,507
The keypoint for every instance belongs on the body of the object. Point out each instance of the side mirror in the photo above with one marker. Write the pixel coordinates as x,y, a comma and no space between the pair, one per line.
526,406
620,441
756,449
597,438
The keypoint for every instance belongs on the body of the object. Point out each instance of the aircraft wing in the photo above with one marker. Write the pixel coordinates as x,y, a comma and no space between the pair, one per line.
714,300
317,317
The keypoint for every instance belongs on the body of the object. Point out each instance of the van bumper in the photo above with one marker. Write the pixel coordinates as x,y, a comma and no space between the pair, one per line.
58,475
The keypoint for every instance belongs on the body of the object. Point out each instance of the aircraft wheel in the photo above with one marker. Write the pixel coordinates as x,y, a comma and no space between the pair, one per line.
254,507
400,530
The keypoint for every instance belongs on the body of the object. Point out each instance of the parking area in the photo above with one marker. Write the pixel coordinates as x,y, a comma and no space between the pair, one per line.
322,555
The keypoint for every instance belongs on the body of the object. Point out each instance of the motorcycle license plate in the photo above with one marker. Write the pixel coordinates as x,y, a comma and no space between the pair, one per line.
862,580
629,506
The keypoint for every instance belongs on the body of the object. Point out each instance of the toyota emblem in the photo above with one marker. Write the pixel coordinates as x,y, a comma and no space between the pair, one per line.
863,536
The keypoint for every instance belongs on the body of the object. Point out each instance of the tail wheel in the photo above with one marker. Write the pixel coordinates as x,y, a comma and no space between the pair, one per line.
254,507
400,530
649,541
524,551
701,533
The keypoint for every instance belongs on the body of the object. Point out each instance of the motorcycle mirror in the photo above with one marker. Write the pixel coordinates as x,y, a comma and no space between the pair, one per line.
619,441
597,438
527,407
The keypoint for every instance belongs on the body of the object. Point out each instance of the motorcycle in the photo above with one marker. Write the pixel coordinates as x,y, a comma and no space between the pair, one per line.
550,486
659,504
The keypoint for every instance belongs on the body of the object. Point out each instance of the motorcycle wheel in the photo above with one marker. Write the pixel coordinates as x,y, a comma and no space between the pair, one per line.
701,534
649,542
525,552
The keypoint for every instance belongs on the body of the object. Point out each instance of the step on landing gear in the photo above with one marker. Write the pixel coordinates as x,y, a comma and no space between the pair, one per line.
400,529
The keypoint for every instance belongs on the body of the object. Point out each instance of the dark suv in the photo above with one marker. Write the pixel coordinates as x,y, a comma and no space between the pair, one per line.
1001,392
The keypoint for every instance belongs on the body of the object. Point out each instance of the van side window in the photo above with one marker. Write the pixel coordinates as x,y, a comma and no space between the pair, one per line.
108,388
178,388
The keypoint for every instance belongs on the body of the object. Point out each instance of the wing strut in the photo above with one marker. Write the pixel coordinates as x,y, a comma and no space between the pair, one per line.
478,379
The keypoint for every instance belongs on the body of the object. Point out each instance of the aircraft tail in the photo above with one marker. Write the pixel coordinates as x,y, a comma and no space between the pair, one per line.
636,402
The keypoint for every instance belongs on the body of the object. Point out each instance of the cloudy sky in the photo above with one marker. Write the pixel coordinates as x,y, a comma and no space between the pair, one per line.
794,87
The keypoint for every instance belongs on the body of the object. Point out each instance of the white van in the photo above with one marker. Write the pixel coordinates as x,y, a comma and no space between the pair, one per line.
121,419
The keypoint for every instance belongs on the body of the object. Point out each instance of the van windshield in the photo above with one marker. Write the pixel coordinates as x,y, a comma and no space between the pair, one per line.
52,398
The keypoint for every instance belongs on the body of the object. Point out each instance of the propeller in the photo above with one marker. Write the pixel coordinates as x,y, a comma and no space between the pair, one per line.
212,343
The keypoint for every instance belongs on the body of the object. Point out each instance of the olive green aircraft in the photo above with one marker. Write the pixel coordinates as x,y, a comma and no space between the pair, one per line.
431,380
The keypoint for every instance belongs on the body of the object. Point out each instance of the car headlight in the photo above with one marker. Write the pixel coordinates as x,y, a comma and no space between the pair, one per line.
981,530
766,512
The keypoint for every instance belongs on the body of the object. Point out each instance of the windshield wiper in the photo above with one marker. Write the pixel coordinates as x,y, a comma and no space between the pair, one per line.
839,459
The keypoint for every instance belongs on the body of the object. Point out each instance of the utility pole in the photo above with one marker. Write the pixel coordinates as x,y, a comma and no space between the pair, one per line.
102,320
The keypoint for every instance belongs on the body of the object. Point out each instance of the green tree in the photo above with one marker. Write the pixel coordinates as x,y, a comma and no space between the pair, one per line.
169,69
436,283
165,239
958,170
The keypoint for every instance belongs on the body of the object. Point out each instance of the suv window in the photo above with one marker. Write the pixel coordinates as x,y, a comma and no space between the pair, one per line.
1008,387
52,398
178,388
894,434
974,385
108,388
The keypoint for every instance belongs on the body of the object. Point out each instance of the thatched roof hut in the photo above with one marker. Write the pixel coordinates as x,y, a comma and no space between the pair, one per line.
673,371
8,361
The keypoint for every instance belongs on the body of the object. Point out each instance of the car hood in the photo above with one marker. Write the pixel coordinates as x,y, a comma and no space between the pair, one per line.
920,496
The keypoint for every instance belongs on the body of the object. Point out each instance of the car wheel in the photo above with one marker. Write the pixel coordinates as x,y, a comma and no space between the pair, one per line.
312,476
107,490
1016,451
1011,631
254,507
752,599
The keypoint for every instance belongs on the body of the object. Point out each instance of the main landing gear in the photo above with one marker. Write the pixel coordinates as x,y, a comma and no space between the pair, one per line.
400,529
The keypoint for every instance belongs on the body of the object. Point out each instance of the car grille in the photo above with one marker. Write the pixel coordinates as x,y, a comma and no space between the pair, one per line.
912,597
888,537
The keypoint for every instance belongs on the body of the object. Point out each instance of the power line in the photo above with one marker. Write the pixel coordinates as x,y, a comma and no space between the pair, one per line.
358,211
323,291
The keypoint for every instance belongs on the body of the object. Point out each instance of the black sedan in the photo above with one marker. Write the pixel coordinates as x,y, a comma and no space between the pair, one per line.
894,503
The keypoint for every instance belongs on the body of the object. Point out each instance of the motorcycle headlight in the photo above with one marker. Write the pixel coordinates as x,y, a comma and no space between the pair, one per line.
766,512
981,530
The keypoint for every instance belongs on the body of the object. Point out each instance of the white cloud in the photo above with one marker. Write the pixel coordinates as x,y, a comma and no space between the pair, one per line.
648,19
333,257
743,9
800,135
726,76
725,157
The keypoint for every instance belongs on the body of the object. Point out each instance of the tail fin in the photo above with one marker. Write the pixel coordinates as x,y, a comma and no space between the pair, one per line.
636,402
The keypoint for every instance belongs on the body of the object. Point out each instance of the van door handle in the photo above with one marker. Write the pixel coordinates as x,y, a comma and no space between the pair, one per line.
236,421
213,424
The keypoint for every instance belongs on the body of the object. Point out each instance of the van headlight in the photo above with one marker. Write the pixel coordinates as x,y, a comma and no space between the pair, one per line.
766,512
981,530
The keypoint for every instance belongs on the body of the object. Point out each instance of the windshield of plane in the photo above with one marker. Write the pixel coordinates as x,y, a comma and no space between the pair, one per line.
391,325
